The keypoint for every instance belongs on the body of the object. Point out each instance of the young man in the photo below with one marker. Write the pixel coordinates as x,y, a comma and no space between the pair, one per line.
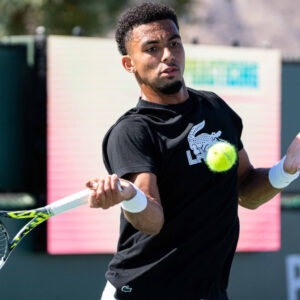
179,223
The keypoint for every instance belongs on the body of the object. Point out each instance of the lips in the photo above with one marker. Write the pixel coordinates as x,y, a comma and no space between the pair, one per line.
170,71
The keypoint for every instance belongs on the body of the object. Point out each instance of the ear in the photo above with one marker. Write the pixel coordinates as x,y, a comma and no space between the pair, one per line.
128,64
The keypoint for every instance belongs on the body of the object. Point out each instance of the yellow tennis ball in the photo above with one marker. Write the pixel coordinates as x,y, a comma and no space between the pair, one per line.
221,156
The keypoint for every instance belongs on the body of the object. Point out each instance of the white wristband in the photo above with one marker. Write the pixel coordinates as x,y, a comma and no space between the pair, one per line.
136,204
279,178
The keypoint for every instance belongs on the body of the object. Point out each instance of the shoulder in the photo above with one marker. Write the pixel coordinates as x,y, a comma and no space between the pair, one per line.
131,128
212,99
207,96
128,147
128,125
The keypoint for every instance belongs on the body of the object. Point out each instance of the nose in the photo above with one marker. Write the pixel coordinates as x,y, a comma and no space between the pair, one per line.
167,56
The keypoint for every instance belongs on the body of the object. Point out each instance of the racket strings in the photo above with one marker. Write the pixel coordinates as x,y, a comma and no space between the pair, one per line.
3,241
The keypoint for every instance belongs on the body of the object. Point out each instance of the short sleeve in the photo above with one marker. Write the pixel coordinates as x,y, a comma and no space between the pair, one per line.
237,121
238,124
129,148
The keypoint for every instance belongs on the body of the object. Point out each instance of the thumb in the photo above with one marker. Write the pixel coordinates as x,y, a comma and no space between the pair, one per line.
128,190
92,184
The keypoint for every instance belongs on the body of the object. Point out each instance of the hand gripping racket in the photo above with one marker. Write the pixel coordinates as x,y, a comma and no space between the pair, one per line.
38,216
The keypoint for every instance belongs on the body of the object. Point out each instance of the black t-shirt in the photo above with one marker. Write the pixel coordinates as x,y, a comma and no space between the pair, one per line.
191,257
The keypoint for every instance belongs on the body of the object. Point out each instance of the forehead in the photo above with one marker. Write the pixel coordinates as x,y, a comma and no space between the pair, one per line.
157,30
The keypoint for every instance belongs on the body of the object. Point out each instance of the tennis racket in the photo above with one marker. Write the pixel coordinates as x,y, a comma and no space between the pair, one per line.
38,216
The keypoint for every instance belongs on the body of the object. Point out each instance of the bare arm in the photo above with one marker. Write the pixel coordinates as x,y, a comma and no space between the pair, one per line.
254,186
150,220
106,194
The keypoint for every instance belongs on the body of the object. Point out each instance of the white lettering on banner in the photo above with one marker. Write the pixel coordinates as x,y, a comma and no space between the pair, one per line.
292,264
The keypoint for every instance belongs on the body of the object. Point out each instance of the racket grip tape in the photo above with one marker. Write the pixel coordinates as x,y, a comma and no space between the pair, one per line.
68,203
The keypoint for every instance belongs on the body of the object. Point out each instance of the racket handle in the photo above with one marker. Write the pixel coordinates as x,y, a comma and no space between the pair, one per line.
68,203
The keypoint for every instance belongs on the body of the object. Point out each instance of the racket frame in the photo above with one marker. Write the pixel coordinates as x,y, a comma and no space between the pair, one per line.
38,216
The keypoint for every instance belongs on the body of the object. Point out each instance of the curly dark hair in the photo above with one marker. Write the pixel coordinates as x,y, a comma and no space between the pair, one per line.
142,14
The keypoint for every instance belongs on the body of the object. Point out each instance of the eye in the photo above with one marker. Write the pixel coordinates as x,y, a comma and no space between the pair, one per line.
152,49
175,44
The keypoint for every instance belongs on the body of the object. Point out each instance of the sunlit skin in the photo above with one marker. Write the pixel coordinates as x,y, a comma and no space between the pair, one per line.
156,58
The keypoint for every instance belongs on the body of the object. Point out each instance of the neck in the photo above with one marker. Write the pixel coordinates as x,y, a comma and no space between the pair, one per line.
151,95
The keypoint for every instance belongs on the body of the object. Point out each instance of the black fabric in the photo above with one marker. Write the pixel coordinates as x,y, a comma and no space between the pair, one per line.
191,257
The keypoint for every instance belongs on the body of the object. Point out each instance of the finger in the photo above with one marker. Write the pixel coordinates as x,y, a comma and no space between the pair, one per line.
108,193
95,197
92,184
92,199
124,183
100,194
115,186
128,190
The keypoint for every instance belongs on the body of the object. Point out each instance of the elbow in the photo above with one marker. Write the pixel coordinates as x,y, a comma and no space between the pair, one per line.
158,228
153,229
253,206
145,222
249,205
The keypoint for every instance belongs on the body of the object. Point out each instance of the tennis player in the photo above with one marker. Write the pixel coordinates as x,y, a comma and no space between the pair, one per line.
179,223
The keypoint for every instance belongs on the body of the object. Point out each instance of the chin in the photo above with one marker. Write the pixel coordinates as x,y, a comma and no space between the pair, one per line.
171,88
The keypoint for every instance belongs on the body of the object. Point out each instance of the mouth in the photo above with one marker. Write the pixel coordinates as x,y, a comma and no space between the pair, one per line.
169,72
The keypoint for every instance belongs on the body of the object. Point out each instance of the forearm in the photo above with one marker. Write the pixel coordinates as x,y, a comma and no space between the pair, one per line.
138,196
151,219
148,221
255,189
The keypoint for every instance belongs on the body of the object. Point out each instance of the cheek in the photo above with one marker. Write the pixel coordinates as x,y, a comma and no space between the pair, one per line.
146,64
183,60
181,55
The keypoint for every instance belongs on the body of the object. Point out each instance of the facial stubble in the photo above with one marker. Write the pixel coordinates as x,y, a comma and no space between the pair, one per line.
171,88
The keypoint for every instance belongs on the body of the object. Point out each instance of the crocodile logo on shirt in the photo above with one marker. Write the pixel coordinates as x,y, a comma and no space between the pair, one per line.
126,289
200,143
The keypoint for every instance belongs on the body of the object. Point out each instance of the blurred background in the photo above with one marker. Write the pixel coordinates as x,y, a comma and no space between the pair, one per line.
53,54
272,23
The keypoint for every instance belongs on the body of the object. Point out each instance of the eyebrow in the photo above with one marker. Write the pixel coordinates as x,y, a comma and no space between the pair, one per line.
174,36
